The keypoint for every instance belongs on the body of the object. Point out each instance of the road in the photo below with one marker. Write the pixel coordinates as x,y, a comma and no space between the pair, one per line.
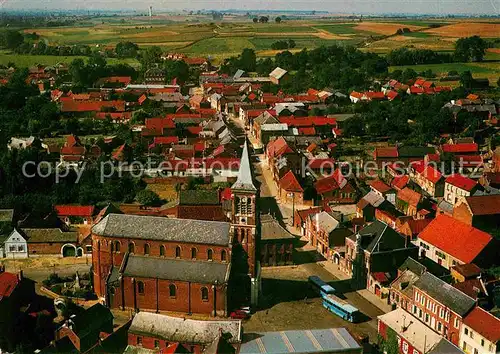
285,302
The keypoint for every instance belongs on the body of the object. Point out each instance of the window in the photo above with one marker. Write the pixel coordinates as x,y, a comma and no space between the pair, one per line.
482,342
204,294
210,254
456,322
162,251
131,247
414,309
139,340
172,289
471,334
440,326
426,317
476,351
420,313
422,300
140,287
117,246
157,344
223,255
146,249
20,248
441,312
193,253
177,252
466,331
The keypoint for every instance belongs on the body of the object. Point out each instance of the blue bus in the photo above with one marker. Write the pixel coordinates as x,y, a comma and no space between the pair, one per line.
341,308
320,286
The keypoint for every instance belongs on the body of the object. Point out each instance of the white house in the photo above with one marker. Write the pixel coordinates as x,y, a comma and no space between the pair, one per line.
457,186
14,246
480,333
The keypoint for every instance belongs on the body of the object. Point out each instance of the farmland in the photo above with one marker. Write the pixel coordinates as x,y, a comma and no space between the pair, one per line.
197,36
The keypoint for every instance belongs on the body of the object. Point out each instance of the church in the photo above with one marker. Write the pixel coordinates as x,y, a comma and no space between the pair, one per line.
158,264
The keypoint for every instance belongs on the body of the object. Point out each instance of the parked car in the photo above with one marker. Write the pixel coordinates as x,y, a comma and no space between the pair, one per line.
239,315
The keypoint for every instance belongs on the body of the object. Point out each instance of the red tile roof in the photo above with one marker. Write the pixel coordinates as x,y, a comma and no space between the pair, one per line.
399,182
356,94
391,95
331,183
195,130
290,183
307,131
321,163
460,148
380,186
8,283
484,204
386,152
74,210
459,240
160,140
409,196
73,150
484,323
469,160
278,147
416,90
159,123
461,182
431,174
114,115
375,95
91,106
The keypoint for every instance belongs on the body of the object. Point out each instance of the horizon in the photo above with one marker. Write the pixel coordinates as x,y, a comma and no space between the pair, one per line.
382,7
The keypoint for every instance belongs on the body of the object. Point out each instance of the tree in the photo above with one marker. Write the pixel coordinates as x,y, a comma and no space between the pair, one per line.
466,79
255,20
148,197
248,60
150,56
11,39
470,49
176,69
498,82
126,50
263,19
278,19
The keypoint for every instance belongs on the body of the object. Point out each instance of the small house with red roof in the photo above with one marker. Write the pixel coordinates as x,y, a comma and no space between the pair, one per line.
457,186
428,178
480,332
290,190
382,189
407,201
480,211
76,214
335,188
460,148
450,242
73,152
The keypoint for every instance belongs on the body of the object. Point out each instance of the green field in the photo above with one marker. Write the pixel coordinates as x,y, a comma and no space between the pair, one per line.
417,34
342,28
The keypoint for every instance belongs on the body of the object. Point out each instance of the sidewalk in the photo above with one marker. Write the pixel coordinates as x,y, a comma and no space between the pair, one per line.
367,295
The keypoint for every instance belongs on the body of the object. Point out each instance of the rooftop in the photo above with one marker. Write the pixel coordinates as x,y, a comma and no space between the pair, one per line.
244,181
164,229
177,329
331,340
484,323
203,272
410,328
49,235
272,230
445,293
458,239
461,182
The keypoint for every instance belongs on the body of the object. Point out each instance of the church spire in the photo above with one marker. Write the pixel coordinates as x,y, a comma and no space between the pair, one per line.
245,180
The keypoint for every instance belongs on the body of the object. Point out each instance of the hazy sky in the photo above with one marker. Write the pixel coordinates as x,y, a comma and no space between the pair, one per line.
338,6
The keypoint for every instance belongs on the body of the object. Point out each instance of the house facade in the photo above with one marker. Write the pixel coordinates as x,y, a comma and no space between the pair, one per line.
480,333
458,186
14,246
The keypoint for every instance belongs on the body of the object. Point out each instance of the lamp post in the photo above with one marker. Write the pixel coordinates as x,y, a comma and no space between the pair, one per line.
293,207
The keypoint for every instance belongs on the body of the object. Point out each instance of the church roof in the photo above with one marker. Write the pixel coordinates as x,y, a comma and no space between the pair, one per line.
245,180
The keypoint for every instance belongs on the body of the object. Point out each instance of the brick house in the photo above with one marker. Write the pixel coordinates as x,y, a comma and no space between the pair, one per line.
480,333
167,334
327,235
482,212
84,329
301,217
457,186
335,188
450,242
290,190
276,243
440,306
407,201
52,241
383,190
377,248
402,287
